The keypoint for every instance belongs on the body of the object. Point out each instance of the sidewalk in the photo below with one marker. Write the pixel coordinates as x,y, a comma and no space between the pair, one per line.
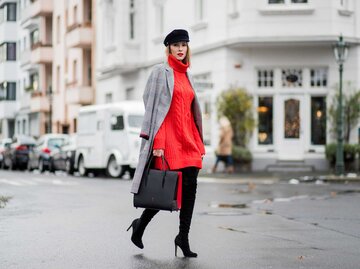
303,177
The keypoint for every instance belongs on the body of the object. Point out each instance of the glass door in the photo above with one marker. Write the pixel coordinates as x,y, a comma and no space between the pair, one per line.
291,127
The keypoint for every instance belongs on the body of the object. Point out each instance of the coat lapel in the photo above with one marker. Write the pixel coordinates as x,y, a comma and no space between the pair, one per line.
170,79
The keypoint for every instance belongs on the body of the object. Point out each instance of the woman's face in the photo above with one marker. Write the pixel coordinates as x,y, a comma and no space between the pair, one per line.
179,50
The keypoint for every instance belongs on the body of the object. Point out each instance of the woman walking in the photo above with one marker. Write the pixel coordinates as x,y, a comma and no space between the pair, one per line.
172,127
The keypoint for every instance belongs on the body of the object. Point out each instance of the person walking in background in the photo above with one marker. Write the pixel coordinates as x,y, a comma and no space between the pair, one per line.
172,128
224,149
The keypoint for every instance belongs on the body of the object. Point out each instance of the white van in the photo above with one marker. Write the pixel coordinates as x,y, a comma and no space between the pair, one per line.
108,138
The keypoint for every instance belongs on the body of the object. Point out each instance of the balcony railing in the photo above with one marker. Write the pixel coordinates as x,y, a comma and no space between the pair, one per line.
79,35
41,53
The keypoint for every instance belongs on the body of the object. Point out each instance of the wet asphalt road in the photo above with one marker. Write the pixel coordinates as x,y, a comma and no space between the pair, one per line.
57,221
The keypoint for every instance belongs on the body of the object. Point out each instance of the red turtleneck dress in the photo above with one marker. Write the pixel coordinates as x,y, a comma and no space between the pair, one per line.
178,135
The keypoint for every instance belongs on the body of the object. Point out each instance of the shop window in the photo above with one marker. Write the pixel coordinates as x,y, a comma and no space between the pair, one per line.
265,119
318,120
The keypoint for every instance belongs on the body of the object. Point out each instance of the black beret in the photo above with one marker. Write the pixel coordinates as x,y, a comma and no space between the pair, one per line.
176,35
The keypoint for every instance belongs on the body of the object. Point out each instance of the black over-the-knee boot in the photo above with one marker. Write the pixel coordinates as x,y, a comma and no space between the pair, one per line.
139,226
188,200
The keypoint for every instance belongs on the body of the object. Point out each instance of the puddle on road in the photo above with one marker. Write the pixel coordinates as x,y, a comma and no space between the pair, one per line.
227,205
232,229
225,213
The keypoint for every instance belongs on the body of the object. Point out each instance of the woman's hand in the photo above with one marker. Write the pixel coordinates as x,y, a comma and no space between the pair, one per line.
202,156
158,152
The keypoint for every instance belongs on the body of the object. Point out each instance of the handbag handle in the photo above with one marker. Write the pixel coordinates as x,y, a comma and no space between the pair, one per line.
163,160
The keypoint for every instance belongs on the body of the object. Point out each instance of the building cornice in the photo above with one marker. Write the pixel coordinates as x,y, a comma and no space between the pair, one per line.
240,42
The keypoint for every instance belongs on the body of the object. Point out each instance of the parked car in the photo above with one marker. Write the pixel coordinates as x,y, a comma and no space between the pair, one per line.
4,143
40,155
16,155
108,138
63,158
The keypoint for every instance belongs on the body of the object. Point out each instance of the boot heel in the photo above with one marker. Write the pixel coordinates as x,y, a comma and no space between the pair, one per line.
175,250
129,227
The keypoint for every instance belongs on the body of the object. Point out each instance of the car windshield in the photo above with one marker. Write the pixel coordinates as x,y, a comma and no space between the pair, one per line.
135,121
56,142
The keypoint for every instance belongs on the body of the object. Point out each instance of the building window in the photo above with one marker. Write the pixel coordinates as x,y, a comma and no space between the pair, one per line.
34,81
108,26
108,98
292,78
199,10
8,91
74,71
132,20
8,12
34,38
8,51
75,15
288,1
318,77
23,126
57,79
160,18
318,120
344,4
265,78
265,118
276,1
58,27
129,94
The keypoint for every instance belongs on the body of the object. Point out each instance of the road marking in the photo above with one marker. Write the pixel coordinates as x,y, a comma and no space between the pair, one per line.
9,182
236,181
37,181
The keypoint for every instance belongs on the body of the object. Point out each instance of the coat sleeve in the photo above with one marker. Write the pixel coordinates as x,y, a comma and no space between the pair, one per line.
149,98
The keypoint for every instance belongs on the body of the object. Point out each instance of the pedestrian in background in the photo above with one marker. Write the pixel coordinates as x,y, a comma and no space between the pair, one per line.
172,128
224,149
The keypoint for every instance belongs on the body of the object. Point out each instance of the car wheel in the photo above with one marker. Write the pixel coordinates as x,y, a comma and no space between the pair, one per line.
41,166
113,169
82,170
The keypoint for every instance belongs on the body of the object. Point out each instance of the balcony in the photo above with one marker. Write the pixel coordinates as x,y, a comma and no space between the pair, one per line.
39,102
76,94
41,54
7,109
37,8
79,36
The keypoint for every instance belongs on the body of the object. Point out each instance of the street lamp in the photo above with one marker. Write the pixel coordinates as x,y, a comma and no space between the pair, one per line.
341,52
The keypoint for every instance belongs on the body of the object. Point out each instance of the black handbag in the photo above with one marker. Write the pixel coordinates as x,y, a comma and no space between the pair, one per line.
158,189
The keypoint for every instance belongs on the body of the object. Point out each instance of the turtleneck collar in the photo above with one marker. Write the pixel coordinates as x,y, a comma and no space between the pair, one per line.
177,65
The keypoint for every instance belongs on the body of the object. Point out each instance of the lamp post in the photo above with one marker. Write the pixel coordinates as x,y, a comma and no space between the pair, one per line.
340,51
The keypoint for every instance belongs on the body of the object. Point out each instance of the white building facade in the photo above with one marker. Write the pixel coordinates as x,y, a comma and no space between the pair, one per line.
280,51
8,67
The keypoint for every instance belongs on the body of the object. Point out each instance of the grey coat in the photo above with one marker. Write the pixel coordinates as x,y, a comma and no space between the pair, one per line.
157,100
